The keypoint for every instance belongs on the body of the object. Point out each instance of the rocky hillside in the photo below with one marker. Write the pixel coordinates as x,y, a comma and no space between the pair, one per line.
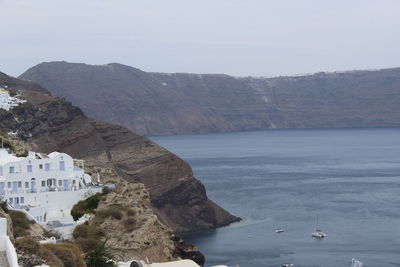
49,123
159,103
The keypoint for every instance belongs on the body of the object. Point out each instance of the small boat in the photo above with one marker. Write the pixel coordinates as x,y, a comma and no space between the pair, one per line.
356,263
279,230
318,233
288,265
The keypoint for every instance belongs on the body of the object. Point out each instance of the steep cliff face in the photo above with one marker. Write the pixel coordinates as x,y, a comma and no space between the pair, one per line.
158,103
52,124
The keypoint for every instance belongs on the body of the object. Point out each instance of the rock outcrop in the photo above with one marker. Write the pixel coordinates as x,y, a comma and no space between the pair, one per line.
159,103
50,123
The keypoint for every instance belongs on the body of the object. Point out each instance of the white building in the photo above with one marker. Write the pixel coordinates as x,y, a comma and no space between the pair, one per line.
7,102
45,188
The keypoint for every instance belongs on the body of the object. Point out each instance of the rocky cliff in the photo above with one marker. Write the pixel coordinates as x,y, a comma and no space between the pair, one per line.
159,103
50,123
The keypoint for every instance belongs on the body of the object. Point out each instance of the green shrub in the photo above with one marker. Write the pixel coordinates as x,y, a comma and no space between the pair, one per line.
87,244
105,190
28,244
21,224
85,206
101,256
3,206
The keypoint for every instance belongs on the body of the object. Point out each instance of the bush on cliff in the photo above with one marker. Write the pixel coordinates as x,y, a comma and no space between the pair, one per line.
21,224
101,256
88,237
69,254
28,244
88,205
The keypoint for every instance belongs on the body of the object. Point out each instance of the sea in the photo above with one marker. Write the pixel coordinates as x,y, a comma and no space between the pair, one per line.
345,180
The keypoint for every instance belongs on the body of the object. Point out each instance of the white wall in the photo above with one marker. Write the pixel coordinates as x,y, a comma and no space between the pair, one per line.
6,245
3,226
56,205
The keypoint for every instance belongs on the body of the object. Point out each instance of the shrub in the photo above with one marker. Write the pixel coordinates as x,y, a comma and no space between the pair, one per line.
103,214
87,244
69,254
105,190
88,231
50,257
101,256
85,206
116,213
3,206
131,212
51,233
129,224
28,244
88,237
22,154
21,224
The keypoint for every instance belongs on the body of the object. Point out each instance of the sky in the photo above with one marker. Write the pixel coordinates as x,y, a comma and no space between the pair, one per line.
241,38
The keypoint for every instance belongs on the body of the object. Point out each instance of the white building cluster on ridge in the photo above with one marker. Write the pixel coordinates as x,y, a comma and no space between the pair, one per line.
44,187
7,102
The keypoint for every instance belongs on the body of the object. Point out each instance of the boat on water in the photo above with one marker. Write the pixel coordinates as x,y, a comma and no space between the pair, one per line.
318,232
279,230
288,265
356,263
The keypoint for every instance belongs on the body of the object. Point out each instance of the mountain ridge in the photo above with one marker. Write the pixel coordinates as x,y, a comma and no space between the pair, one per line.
173,103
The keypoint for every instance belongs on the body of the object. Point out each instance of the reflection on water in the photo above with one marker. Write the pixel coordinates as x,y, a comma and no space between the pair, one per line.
272,179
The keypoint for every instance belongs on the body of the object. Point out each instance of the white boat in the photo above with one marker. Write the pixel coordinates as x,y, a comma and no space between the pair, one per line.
288,265
279,230
356,263
318,233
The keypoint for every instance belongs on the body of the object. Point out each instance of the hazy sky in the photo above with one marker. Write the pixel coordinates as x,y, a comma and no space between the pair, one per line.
247,37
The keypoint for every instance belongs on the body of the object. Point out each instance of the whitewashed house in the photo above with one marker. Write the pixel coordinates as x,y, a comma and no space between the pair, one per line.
45,188
7,102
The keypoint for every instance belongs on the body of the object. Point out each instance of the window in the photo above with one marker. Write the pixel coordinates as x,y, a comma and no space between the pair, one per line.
43,183
9,184
29,168
11,169
22,200
47,167
26,184
19,184
59,182
10,200
41,166
62,165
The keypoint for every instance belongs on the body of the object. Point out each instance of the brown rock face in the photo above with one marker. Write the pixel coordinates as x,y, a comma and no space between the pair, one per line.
159,103
52,124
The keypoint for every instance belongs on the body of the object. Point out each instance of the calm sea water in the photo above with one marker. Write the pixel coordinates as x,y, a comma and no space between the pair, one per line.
350,179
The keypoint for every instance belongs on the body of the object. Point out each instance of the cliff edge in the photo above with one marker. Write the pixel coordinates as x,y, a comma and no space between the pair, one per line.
50,123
